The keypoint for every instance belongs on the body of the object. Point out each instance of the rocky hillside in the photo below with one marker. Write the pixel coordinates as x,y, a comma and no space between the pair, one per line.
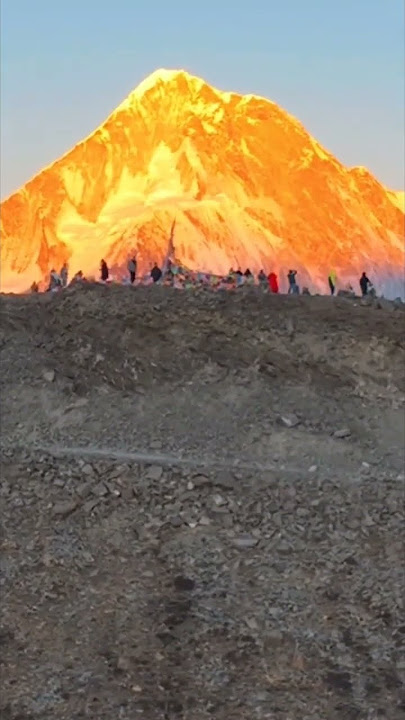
202,506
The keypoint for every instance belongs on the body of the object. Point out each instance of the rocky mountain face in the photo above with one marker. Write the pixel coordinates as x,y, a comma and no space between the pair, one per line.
245,182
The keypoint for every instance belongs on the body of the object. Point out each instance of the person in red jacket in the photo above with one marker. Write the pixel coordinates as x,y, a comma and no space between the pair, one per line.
273,282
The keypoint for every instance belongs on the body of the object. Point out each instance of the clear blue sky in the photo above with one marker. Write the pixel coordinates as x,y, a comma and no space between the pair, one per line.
335,64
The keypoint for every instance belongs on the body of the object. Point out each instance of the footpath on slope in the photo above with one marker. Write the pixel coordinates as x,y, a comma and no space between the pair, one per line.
202,502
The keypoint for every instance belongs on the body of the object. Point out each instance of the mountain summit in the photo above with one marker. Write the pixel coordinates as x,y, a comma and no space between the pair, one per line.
246,183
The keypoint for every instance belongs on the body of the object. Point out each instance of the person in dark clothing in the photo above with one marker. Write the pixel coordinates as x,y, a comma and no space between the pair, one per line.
78,278
247,273
156,273
104,272
292,285
54,281
364,283
132,269
64,274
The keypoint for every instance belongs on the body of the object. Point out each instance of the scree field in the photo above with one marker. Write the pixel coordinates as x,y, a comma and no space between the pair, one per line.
202,499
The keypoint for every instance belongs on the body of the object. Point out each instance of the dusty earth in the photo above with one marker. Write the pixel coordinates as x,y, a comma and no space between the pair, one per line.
202,506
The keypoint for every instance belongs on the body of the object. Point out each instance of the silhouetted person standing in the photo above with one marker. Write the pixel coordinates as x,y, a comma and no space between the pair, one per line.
364,283
104,272
132,269
332,282
64,274
54,281
273,283
262,279
292,284
156,273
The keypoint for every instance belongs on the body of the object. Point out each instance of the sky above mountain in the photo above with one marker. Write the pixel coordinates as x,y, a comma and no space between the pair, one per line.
336,66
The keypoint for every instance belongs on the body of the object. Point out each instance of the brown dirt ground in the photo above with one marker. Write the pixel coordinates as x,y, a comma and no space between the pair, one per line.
202,503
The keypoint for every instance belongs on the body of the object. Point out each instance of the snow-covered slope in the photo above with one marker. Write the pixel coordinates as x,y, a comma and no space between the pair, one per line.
398,198
245,182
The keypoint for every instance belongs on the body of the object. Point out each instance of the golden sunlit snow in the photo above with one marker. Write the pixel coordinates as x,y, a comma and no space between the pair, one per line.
246,183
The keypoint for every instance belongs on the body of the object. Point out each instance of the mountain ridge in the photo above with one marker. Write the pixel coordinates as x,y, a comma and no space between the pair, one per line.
243,177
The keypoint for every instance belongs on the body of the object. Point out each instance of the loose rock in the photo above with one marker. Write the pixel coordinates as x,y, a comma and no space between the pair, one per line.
244,614
63,509
225,479
184,584
289,421
154,472
342,433
244,542
100,489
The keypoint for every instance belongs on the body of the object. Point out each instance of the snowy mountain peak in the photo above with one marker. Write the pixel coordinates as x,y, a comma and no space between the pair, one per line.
160,78
247,183
162,75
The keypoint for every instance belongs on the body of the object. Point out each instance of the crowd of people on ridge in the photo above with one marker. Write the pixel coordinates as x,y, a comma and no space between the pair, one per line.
175,275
